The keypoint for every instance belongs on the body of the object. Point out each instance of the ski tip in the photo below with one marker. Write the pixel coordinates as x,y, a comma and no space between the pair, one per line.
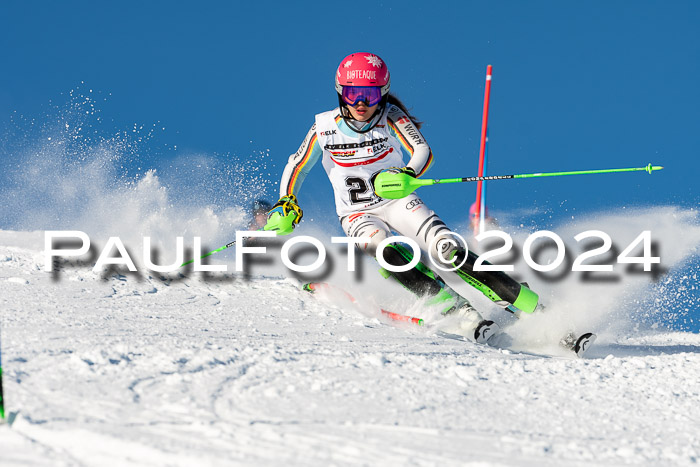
310,287
485,331
583,343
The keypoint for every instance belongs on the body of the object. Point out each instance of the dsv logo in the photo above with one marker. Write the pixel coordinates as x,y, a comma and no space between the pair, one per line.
413,203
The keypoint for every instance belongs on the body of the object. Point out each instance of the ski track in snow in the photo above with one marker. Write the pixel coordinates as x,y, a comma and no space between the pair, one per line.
232,371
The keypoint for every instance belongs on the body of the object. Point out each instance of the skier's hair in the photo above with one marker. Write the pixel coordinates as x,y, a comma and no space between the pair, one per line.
392,99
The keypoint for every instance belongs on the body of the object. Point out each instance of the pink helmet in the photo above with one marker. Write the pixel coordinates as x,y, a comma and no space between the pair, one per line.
362,69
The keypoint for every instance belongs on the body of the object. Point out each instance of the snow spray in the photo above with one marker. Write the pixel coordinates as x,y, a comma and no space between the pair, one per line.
71,170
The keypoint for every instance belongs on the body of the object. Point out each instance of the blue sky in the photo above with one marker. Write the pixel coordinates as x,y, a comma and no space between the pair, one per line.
577,85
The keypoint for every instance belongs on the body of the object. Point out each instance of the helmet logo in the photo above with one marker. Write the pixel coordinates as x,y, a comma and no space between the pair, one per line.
361,74
347,64
374,60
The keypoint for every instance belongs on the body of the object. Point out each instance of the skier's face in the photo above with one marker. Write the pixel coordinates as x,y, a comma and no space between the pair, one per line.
361,112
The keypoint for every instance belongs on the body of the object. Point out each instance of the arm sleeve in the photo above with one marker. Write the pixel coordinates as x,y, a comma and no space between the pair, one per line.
300,163
411,139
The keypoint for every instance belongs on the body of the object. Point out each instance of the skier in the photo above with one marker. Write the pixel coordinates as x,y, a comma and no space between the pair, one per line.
371,131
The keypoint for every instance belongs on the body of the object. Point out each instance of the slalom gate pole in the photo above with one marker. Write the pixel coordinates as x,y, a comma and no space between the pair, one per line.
396,186
482,148
481,226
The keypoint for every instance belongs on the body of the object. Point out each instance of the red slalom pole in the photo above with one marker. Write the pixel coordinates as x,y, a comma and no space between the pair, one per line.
482,146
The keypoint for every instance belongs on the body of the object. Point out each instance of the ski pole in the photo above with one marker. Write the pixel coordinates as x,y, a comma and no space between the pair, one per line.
282,225
398,185
228,245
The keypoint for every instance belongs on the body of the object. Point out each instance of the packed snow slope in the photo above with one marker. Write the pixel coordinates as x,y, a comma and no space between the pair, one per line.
114,368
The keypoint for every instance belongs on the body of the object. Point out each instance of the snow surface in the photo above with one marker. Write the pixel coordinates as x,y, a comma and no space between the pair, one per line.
220,369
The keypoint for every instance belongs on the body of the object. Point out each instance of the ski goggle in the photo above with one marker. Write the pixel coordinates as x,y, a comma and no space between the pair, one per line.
370,95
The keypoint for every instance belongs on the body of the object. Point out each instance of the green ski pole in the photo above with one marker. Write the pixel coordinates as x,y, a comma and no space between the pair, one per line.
282,225
228,245
398,185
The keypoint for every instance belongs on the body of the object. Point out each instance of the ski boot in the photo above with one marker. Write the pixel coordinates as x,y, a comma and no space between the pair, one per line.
579,344
470,323
425,283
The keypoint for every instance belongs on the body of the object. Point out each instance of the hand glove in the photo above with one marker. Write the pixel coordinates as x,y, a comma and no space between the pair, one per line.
284,215
286,205
395,182
404,170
